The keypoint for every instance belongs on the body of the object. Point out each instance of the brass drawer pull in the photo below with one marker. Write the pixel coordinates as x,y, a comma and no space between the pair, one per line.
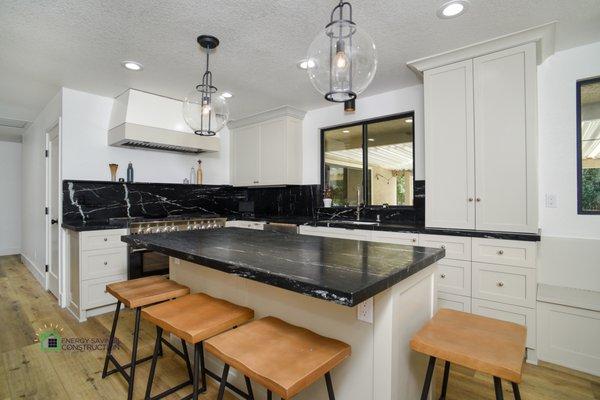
106,239
105,262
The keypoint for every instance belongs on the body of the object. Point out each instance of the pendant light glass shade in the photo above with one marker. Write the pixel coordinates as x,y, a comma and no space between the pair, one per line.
342,59
204,109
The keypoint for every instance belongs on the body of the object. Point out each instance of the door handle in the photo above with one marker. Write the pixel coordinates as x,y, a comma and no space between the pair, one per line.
53,221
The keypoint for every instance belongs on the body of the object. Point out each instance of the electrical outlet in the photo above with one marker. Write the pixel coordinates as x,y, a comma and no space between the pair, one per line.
550,200
364,311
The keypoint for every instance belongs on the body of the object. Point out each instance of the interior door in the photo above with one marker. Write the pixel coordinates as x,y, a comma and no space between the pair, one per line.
272,152
52,277
505,150
246,143
449,163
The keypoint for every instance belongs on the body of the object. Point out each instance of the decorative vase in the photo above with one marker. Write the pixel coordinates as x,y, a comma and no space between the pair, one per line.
327,202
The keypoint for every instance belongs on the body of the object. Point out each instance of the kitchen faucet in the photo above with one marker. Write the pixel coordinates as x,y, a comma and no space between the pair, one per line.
359,205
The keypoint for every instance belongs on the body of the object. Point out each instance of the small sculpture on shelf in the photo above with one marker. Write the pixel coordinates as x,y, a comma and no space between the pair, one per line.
113,171
327,197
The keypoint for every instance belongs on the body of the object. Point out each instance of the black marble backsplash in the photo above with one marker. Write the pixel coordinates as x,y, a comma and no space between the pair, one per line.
87,201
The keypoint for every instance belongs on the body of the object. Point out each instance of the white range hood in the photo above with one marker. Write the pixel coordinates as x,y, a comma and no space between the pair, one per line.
148,121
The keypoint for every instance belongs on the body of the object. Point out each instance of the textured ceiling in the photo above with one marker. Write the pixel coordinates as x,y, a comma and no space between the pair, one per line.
80,44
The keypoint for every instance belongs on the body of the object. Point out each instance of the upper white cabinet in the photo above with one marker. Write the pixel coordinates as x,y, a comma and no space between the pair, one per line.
480,142
268,152
449,155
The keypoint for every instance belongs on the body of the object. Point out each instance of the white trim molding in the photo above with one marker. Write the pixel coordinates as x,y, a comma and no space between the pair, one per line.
285,111
35,271
542,35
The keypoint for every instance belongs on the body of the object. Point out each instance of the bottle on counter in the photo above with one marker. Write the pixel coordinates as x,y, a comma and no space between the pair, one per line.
193,176
199,173
130,173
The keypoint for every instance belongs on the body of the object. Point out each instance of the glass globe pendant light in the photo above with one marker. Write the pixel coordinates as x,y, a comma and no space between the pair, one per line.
204,110
342,60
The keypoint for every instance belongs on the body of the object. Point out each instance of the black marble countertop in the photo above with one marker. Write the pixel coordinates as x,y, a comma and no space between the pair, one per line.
298,220
346,272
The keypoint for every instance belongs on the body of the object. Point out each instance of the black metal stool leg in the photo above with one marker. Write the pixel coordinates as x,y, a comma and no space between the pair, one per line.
202,367
223,382
186,357
249,388
428,376
136,336
498,388
516,391
111,339
445,382
329,386
269,395
155,355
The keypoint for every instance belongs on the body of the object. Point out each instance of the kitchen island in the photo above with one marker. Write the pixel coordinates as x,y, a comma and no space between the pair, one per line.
319,283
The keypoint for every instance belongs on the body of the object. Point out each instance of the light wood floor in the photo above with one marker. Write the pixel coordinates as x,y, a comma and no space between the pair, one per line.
28,373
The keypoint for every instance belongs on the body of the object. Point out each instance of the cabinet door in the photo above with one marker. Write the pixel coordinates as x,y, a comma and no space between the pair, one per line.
246,142
273,152
505,148
449,175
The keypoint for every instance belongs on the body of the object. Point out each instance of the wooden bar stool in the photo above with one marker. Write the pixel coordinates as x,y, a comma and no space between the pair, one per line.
135,294
193,318
284,358
483,344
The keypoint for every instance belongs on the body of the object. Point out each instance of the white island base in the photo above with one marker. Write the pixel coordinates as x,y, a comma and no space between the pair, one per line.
381,367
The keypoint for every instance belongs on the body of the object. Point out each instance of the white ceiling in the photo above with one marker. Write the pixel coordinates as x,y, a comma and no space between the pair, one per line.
80,44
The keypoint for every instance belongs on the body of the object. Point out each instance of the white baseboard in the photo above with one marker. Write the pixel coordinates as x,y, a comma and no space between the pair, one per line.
10,251
35,271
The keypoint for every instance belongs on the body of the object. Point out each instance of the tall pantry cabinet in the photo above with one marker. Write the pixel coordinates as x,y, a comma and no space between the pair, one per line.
480,142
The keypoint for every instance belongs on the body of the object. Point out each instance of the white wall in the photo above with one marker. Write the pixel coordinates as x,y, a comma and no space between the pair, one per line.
570,248
86,154
10,198
393,102
33,234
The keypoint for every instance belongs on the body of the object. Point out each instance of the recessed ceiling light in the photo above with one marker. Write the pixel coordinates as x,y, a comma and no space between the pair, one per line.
452,8
132,65
227,95
345,131
408,120
305,64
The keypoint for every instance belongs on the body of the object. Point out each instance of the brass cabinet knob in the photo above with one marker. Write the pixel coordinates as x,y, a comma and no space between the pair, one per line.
500,252
443,246
105,262
478,199
442,276
106,239
414,240
499,283
470,199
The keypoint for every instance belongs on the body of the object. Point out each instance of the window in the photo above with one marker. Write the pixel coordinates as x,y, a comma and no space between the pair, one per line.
588,146
385,146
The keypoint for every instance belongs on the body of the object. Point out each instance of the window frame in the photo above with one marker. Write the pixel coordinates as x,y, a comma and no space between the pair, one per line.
365,150
579,171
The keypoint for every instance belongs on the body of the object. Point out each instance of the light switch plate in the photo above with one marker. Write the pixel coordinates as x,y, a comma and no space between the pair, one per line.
365,311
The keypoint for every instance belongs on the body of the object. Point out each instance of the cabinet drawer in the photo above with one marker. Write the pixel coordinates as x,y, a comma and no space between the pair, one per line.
99,263
512,285
506,252
454,302
454,276
105,239
93,292
457,247
341,233
506,312
407,238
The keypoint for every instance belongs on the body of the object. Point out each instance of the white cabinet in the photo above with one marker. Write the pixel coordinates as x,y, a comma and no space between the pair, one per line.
96,258
256,225
449,154
267,153
480,142
340,233
505,140
408,238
